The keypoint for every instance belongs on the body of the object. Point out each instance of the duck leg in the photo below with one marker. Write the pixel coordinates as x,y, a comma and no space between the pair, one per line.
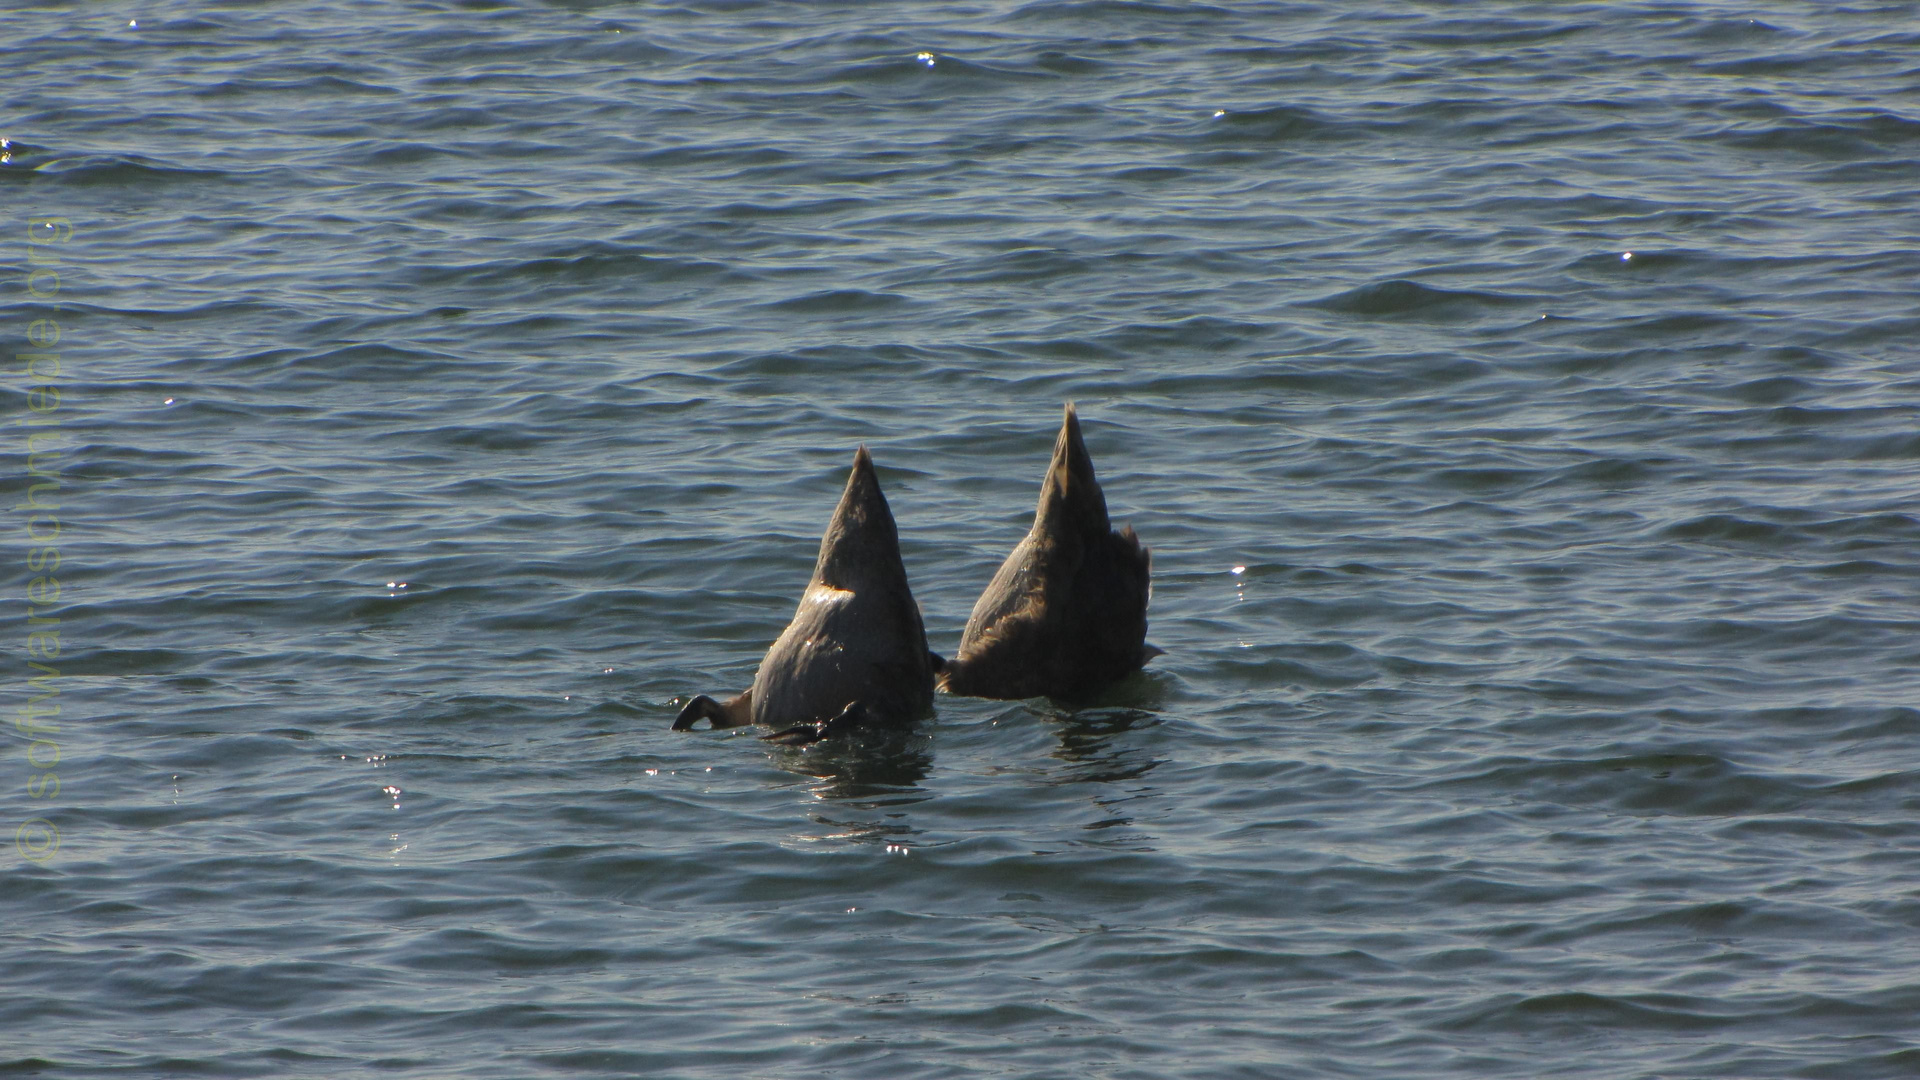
734,712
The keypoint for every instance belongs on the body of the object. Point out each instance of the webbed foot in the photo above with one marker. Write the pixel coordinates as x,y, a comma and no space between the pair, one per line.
850,718
731,713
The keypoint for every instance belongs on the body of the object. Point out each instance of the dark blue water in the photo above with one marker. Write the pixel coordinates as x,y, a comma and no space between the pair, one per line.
1519,399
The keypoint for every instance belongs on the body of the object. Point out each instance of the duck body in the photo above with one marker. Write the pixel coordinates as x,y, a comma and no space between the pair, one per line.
855,652
1066,614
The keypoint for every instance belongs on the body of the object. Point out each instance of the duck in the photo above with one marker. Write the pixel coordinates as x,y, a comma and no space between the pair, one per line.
1066,615
855,655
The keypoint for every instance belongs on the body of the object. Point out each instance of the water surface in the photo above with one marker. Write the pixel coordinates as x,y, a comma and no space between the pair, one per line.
1519,400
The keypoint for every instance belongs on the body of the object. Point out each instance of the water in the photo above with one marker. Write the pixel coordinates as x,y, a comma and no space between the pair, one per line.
1519,401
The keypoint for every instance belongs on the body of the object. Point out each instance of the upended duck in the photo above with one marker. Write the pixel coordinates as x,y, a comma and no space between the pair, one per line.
855,653
1067,613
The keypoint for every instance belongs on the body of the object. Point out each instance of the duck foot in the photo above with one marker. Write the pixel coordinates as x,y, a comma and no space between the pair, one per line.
851,718
700,707
734,712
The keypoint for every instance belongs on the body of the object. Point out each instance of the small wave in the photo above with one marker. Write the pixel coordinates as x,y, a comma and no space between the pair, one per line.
131,173
597,262
1804,65
1201,332
736,155
1773,390
369,363
1614,474
1727,527
833,301
1890,1063
1064,63
1636,260
1021,265
1725,31
1401,297
467,950
1874,135
824,359
1487,33
318,86
1645,783
1287,666
909,66
19,155
1795,527
1106,14
1582,1011
494,438
1280,123
1486,479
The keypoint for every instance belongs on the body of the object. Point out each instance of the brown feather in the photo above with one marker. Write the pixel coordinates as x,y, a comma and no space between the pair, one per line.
856,636
1066,613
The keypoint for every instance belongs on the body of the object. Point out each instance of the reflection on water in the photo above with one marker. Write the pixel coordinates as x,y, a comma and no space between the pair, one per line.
864,765
1089,741
871,777
1095,746
893,831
